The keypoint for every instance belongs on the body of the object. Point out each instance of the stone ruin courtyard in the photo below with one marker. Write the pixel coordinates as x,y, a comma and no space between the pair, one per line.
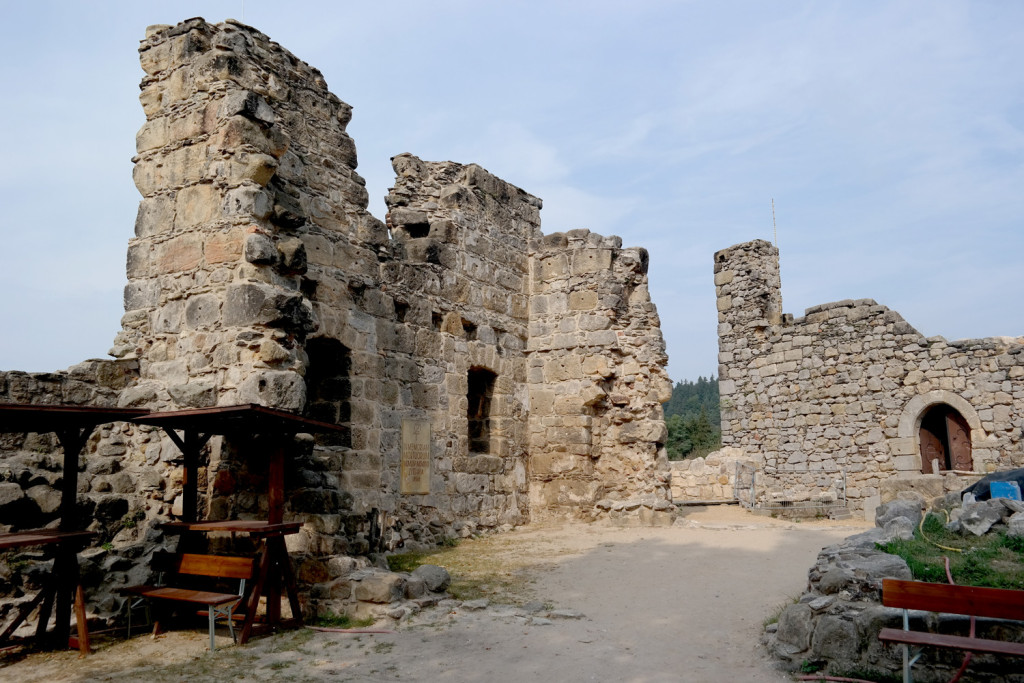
490,383
591,603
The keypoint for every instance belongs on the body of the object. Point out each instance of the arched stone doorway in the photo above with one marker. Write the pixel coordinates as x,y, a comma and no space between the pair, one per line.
939,425
945,441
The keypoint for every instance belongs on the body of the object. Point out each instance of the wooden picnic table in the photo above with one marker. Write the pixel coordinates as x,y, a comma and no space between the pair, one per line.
65,576
72,425
273,573
276,430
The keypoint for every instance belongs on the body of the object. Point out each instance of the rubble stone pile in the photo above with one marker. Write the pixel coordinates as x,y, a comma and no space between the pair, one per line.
835,623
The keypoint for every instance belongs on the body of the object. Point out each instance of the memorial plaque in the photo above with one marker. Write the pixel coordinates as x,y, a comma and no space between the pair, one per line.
415,456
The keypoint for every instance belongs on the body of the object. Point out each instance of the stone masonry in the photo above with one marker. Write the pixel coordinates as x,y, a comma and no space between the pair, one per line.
850,386
257,275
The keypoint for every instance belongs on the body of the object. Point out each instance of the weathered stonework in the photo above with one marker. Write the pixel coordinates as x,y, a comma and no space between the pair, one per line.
712,478
257,275
848,385
596,375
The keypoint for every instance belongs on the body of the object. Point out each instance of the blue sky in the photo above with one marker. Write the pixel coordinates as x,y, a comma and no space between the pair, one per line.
890,135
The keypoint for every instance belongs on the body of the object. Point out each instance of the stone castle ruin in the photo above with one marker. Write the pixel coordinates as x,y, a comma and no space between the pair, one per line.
851,396
487,374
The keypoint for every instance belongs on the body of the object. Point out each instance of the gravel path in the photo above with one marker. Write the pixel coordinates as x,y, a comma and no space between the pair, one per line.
644,605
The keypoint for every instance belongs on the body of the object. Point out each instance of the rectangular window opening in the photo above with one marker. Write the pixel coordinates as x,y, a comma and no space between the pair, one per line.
479,394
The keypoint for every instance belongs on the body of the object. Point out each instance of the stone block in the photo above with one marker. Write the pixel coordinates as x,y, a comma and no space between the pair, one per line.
225,247
292,255
202,311
139,294
471,483
155,215
247,200
280,389
179,254
196,205
586,261
724,277
479,464
247,104
436,579
380,588
795,627
835,639
583,300
907,463
553,267
243,304
152,135
194,394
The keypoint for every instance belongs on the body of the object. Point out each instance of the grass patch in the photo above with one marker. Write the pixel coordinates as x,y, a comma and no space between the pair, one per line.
291,640
407,562
342,621
773,616
486,567
811,666
874,675
993,560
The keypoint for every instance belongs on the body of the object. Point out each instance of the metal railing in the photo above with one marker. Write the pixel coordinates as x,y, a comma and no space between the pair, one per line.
774,489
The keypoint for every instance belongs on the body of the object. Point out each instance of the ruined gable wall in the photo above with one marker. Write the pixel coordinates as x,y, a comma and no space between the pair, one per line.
460,267
213,307
243,154
257,275
846,385
597,380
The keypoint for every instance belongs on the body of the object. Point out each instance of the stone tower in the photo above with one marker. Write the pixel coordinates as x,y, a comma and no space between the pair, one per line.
749,296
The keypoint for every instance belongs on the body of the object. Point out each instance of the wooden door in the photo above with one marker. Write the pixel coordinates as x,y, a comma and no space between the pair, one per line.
959,436
931,449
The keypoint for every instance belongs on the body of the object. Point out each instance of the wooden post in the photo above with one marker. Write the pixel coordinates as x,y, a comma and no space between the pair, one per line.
275,483
71,442
190,446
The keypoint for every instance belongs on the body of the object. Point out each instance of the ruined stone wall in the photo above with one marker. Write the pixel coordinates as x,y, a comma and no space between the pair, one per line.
257,275
32,465
460,265
711,478
597,378
846,386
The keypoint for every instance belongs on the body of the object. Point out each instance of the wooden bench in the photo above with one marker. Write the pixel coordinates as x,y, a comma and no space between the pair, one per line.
217,604
994,603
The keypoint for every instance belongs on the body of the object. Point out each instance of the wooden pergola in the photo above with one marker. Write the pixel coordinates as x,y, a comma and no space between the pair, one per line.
275,429
190,430
73,425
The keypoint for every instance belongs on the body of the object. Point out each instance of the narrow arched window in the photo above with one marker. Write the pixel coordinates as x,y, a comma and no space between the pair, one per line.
479,395
329,387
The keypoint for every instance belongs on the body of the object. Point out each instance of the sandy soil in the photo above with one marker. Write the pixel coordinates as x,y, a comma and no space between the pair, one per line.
685,603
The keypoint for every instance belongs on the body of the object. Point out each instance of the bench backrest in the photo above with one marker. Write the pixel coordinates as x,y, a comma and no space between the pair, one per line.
222,566
997,603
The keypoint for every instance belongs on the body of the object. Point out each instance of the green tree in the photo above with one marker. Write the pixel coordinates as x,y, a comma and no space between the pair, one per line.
693,419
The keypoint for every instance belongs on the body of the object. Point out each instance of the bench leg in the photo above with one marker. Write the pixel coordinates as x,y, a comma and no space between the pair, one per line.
910,658
131,606
80,622
213,618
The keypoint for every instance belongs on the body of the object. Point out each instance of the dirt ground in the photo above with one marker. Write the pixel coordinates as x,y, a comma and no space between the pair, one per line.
588,603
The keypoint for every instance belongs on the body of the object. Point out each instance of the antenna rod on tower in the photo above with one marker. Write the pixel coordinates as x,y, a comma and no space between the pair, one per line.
775,230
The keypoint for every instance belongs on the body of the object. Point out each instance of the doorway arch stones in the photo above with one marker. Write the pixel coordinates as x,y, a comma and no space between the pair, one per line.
906,446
